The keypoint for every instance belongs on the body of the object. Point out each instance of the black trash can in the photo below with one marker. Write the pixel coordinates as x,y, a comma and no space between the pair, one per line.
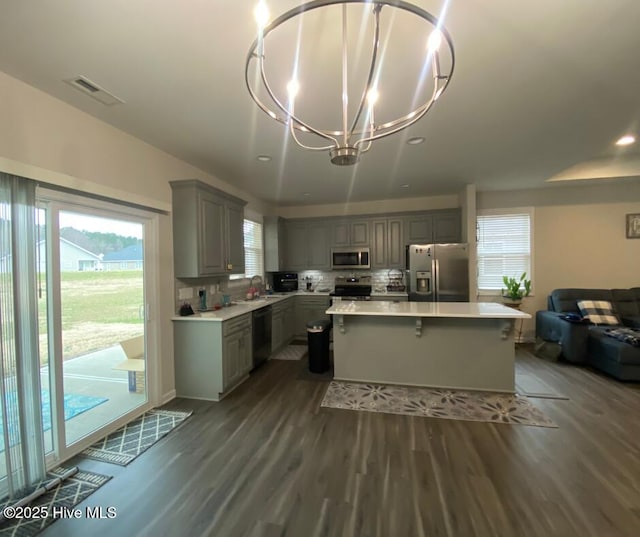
318,333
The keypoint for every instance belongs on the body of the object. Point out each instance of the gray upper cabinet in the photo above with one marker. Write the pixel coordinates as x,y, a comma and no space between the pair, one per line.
307,245
433,227
234,237
395,244
208,234
418,229
360,233
447,226
318,244
351,233
274,243
379,244
309,241
296,257
387,244
340,234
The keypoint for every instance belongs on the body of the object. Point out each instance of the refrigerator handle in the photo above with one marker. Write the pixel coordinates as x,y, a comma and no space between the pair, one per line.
436,262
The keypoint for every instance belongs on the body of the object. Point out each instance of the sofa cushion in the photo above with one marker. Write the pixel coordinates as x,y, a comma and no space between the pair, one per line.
625,302
598,312
626,335
632,321
603,347
566,300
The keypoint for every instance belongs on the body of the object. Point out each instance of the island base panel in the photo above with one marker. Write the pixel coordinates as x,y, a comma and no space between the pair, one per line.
475,354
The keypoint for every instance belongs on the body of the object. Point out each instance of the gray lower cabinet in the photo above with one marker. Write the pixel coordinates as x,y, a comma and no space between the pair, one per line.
282,323
309,308
208,237
211,358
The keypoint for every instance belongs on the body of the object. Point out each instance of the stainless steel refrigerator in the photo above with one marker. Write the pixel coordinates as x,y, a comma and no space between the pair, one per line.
438,272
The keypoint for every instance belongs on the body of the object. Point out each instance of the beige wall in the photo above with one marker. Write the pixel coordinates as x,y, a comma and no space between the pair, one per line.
579,237
371,207
46,139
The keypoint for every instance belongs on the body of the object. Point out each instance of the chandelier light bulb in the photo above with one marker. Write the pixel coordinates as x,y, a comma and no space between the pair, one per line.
627,139
261,14
372,96
434,41
292,88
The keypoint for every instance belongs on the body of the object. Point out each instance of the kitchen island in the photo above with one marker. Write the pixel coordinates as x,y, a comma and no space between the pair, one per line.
462,345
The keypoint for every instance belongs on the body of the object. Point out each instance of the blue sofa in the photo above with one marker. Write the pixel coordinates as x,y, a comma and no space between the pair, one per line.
585,343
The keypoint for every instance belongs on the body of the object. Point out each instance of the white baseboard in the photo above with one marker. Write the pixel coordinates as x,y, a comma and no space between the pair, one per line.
168,397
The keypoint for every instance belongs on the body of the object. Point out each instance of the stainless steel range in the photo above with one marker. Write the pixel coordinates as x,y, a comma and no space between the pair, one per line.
352,288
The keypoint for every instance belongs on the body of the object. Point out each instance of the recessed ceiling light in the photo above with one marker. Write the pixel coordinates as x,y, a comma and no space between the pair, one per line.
306,194
627,139
264,158
406,185
416,140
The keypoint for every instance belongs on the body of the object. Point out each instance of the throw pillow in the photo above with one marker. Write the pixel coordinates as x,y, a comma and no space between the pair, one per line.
598,311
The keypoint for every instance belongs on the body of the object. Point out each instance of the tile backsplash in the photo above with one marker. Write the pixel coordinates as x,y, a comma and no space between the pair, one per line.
216,287
324,279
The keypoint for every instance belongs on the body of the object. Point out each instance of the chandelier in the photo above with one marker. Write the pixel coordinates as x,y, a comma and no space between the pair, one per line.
358,127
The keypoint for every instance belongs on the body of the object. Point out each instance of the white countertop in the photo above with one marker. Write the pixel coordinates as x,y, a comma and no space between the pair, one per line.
240,308
472,310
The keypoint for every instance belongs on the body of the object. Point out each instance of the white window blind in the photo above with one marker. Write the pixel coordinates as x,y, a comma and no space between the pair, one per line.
504,248
253,249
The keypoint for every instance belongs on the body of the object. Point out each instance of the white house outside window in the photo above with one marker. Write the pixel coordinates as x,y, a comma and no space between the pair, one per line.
505,246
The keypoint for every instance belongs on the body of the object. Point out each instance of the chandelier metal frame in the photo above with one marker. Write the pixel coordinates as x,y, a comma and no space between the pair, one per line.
346,144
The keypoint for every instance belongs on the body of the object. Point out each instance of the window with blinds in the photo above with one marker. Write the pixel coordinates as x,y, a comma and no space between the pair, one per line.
504,247
253,249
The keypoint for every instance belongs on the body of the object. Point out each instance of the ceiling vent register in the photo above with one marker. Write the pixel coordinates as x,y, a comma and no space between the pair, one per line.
94,91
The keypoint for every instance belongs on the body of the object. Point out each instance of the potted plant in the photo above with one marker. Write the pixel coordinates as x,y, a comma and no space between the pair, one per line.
515,290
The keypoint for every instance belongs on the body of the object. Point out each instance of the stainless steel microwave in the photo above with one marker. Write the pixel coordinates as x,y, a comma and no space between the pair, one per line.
350,258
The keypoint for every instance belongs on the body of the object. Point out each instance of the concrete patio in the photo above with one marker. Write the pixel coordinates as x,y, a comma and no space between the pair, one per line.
93,375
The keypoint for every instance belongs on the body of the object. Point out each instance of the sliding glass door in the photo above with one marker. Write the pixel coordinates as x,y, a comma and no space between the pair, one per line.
74,324
93,320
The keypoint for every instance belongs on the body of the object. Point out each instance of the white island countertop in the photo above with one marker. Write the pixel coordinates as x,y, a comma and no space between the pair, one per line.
469,310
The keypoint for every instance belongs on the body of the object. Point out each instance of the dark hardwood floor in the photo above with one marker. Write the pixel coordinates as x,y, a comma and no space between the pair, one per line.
269,462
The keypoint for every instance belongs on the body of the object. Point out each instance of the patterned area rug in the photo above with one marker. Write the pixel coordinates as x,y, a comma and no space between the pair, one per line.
291,352
125,444
435,403
69,493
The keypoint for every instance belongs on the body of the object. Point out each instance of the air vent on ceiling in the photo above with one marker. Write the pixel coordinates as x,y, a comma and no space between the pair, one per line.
92,89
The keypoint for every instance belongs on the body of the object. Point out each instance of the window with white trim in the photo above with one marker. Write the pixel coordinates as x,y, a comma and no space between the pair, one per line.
253,249
505,246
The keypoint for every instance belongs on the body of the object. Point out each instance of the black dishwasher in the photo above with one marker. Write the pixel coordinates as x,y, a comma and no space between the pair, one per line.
261,335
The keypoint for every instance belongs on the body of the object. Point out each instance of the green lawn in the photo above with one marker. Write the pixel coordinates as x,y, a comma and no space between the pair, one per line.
99,309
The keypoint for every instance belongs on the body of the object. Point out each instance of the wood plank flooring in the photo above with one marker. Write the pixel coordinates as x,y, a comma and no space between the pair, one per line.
269,462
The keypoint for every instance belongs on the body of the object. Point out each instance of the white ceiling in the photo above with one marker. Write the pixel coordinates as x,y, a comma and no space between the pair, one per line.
540,89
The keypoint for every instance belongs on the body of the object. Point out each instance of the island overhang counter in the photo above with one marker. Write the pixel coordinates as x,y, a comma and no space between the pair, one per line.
458,345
